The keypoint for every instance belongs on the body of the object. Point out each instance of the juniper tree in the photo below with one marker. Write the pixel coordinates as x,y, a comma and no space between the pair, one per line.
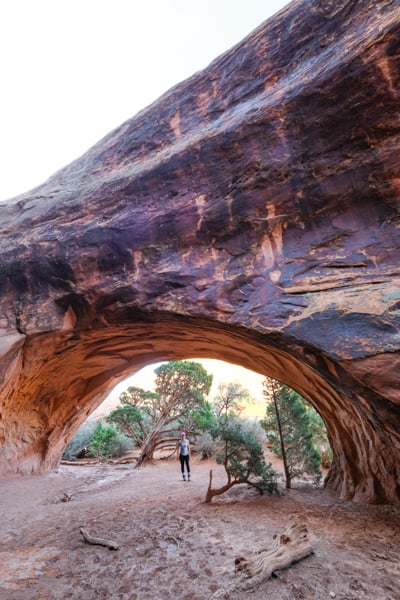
242,457
288,428
153,417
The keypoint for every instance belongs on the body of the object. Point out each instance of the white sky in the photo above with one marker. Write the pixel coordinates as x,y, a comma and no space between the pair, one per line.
73,70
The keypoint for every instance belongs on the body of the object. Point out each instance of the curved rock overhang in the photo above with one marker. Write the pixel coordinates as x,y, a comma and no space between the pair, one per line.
251,215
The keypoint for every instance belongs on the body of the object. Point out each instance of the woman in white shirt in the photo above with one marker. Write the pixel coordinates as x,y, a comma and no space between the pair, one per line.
183,454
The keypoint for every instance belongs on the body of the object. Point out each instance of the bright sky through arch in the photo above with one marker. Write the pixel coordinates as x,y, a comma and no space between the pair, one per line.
73,70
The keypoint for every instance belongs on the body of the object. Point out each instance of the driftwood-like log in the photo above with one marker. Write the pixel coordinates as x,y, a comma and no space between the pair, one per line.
122,461
67,497
286,549
79,463
83,452
90,539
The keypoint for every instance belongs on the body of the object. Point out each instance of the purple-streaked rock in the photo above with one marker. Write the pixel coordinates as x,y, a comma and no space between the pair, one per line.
251,214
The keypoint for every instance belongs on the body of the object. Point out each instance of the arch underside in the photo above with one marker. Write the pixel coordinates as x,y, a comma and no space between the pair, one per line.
71,372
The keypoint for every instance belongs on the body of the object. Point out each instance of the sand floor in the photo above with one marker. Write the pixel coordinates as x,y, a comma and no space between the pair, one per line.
174,546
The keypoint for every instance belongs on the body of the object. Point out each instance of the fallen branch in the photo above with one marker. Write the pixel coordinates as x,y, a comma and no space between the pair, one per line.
67,497
79,463
286,549
173,539
83,452
90,539
121,461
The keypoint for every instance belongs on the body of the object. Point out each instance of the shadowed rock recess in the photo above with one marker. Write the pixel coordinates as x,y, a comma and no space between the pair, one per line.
251,215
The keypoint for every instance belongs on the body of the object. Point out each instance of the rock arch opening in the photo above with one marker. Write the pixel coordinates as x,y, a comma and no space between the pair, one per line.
71,373
235,391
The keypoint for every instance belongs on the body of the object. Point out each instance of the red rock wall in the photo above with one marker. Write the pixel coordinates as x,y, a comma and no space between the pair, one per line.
250,214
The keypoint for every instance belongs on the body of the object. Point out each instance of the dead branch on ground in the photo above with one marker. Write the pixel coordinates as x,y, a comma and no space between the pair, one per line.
287,548
79,463
90,539
67,497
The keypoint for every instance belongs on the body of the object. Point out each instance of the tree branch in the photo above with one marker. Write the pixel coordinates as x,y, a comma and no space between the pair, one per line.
90,539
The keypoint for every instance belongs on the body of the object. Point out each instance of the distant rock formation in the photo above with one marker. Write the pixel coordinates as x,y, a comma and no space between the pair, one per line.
251,214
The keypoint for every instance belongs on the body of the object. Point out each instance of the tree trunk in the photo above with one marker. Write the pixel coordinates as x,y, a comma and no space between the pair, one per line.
150,443
147,450
286,549
282,441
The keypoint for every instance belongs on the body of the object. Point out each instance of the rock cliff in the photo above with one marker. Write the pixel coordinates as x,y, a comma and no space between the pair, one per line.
251,214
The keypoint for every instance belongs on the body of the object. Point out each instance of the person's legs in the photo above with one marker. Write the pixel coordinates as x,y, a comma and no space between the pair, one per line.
182,459
187,466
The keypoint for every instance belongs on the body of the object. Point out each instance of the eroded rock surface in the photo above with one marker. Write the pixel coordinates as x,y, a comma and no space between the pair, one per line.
251,215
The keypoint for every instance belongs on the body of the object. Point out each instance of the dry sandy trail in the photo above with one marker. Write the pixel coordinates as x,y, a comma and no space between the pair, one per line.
173,546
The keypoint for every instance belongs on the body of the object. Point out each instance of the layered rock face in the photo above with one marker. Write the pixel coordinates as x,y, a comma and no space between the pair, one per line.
251,214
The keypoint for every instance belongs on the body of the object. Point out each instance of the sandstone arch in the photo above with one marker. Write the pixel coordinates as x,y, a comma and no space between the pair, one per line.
251,215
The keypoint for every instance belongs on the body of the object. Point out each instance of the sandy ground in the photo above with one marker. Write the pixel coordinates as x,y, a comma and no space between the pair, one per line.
173,546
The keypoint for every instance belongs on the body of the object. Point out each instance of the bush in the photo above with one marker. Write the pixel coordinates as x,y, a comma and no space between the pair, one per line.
206,445
107,441
242,456
101,439
80,440
253,427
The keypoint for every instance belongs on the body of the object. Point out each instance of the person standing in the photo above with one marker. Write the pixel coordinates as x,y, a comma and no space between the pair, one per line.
183,454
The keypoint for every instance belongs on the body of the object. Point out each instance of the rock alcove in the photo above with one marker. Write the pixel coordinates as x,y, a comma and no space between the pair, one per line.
249,215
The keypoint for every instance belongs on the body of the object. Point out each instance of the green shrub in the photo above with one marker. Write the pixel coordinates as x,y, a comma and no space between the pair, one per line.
80,440
101,439
206,445
242,457
107,441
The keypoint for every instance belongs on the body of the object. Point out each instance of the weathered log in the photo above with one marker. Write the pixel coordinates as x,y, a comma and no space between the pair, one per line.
79,463
90,539
121,461
67,497
83,452
286,549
